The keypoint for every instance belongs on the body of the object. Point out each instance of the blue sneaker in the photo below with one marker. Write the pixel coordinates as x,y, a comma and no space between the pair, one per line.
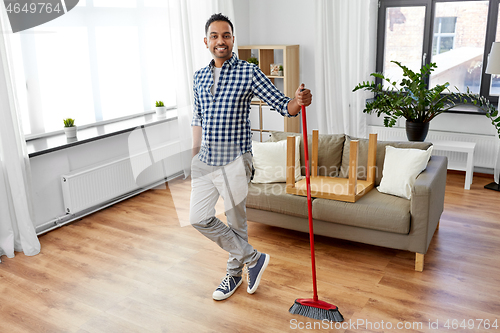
255,273
227,287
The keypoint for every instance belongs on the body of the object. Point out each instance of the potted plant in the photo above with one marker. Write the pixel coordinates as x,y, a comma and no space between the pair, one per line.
160,108
253,60
412,100
280,70
69,128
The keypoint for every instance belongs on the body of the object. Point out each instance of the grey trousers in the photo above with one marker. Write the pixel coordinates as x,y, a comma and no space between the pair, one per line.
231,183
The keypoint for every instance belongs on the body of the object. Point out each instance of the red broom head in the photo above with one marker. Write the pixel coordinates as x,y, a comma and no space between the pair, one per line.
319,310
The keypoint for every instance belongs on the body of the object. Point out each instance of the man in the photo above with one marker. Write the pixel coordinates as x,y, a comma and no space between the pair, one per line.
222,161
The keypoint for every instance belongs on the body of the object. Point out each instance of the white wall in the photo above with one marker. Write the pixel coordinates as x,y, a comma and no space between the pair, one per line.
280,22
241,21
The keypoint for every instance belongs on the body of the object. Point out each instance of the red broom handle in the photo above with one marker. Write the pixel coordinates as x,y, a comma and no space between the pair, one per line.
309,203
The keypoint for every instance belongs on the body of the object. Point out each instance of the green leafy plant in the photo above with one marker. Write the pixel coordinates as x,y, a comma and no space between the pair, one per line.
159,103
253,60
280,68
412,100
68,122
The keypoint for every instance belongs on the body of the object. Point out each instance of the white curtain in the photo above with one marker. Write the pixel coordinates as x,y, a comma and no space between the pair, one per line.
187,25
345,55
497,164
17,232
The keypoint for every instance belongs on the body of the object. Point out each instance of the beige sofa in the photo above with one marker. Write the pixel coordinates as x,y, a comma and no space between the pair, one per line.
377,218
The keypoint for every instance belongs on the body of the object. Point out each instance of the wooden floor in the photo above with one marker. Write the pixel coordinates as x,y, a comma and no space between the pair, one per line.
133,268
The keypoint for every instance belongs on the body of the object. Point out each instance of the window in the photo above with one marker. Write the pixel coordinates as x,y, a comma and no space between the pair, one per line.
104,59
404,36
444,34
456,35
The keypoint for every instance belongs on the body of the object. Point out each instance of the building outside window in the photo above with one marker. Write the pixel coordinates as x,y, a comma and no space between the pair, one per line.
456,35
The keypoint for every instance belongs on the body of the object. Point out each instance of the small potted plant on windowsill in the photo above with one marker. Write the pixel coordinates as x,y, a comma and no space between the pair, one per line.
69,128
161,110
280,70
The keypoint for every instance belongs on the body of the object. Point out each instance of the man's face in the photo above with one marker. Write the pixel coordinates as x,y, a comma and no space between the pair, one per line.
220,40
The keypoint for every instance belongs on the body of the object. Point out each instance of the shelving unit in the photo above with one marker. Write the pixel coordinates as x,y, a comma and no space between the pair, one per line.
288,55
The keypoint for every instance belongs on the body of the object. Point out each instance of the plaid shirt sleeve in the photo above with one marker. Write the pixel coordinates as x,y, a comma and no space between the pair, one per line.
264,89
197,116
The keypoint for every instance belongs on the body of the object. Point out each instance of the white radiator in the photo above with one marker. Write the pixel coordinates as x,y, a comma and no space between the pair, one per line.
98,184
484,153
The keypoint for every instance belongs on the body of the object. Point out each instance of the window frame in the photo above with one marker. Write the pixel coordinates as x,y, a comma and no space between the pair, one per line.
428,37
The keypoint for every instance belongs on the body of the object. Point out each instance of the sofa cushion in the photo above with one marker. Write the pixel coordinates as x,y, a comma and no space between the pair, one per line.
273,198
363,156
374,210
401,168
329,151
269,161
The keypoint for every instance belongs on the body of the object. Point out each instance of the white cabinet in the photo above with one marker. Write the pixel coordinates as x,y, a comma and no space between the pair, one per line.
272,120
255,117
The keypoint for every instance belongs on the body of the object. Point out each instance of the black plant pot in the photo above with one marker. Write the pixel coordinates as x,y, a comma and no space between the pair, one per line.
416,131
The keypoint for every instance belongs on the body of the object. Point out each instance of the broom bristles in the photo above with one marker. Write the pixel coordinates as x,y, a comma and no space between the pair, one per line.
313,312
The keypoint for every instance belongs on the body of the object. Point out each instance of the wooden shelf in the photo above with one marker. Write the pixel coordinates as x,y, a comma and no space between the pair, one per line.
290,79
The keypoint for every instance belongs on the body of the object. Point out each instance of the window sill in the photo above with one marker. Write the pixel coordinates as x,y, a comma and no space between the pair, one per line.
461,109
58,141
466,109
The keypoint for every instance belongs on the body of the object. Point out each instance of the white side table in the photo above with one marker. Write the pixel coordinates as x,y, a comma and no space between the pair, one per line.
462,147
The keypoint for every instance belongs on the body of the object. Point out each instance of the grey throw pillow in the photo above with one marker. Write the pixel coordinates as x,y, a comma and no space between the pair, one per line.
329,151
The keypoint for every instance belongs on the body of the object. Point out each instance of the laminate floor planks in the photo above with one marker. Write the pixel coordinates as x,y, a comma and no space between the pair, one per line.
133,268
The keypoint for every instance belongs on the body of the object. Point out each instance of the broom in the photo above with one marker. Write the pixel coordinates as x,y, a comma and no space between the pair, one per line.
313,307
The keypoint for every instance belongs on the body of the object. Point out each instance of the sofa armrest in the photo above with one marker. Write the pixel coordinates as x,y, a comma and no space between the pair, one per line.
427,203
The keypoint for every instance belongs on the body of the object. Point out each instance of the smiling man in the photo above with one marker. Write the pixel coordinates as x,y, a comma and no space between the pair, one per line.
222,149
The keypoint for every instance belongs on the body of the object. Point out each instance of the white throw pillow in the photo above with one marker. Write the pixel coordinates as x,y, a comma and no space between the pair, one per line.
401,168
269,161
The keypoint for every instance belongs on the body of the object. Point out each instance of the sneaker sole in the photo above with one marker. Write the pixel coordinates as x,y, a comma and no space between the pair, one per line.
226,296
257,281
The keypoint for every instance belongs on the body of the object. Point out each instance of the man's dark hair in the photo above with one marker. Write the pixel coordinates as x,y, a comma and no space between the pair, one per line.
218,17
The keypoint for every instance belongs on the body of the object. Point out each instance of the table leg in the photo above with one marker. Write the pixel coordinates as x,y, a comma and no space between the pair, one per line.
469,172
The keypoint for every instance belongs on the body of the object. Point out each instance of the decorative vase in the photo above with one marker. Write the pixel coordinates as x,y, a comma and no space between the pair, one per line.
161,110
280,73
416,131
70,132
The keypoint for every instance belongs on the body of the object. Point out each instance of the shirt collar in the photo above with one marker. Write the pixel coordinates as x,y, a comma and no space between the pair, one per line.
230,62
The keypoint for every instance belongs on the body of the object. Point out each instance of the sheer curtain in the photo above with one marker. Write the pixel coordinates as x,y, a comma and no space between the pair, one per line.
17,232
345,55
187,25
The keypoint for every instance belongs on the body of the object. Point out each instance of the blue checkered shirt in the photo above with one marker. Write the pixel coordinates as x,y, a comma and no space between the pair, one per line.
224,117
